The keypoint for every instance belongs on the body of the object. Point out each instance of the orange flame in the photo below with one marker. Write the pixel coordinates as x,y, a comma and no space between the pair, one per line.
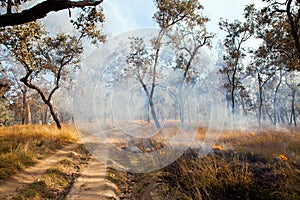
218,147
282,157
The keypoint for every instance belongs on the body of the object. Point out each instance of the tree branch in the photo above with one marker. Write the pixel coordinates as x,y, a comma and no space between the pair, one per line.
41,10
9,4
294,28
58,76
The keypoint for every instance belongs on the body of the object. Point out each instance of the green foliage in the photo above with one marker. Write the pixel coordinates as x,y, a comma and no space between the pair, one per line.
44,58
278,24
36,51
87,23
238,33
171,12
5,113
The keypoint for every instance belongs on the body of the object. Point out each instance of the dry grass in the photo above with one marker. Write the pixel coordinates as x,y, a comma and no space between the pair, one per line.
258,164
270,144
23,145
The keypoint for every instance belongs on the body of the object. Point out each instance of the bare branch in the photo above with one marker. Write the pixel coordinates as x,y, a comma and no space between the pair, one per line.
41,10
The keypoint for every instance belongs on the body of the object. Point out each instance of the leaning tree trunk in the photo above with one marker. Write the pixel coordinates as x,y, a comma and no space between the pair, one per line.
54,116
153,113
47,101
151,103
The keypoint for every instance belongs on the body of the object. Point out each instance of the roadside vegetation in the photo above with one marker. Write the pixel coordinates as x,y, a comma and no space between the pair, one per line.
58,180
23,145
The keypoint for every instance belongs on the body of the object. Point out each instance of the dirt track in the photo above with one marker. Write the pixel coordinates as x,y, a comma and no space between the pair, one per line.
91,183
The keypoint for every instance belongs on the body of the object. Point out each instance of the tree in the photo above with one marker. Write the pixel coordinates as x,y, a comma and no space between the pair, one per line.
237,34
47,59
182,26
187,38
275,99
289,11
42,57
186,34
140,63
5,83
40,10
263,74
277,52
293,83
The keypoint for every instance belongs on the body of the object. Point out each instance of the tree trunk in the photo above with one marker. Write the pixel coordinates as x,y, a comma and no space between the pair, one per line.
148,113
233,87
260,107
293,114
46,101
268,114
154,116
151,104
28,113
181,107
24,101
275,98
260,101
53,114
228,103
45,115
274,104
188,110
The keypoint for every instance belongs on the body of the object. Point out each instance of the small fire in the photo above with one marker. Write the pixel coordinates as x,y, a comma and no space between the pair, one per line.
253,134
218,147
282,157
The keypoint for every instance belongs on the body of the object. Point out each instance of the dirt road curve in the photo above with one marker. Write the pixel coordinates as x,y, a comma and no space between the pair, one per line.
31,174
91,184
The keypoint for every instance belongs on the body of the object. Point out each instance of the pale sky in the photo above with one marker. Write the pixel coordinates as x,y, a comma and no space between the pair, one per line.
126,15
122,16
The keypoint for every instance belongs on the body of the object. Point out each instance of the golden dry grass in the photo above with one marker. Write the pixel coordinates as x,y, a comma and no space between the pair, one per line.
268,143
23,145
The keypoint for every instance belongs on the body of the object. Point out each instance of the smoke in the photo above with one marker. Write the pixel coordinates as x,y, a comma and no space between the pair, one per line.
116,113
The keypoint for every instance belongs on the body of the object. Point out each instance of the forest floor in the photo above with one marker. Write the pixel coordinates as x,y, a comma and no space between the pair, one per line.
39,162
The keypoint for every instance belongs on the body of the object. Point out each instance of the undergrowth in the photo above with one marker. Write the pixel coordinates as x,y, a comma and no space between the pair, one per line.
243,165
